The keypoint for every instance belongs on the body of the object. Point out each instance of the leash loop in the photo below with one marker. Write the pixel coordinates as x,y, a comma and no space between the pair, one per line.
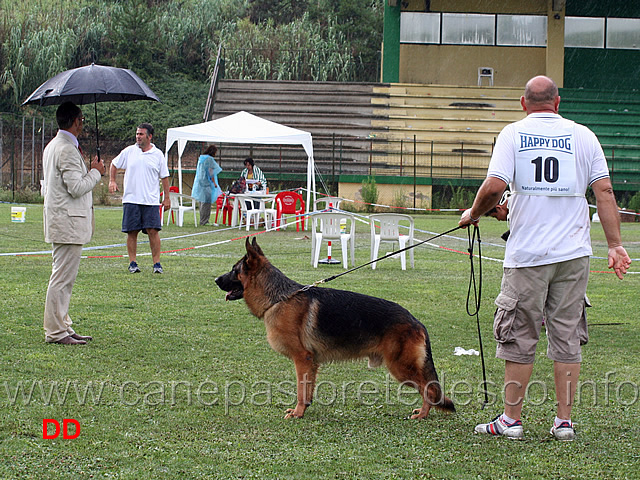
476,287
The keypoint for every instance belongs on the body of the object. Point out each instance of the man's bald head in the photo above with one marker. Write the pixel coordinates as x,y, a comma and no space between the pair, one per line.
540,95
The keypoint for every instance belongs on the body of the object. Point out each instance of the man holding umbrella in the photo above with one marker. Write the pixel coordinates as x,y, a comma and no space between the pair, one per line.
68,219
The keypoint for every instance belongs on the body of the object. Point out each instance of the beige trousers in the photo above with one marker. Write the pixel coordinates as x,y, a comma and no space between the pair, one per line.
66,261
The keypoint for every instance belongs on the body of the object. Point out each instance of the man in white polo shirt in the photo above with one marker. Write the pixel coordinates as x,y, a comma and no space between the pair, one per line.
144,166
548,162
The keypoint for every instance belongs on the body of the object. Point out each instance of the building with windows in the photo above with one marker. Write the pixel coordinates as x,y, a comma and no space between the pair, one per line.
591,44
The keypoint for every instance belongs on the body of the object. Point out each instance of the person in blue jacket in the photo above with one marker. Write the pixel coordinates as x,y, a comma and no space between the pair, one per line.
206,187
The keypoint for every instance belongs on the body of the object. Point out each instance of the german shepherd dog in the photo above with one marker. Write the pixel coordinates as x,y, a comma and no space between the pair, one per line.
316,325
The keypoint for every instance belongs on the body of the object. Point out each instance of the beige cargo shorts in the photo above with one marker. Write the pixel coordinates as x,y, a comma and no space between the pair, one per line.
555,293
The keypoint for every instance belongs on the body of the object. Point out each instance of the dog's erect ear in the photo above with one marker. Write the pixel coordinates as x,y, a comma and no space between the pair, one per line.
252,247
254,244
254,255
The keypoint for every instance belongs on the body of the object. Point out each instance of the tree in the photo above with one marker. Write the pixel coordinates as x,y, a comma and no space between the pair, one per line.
133,34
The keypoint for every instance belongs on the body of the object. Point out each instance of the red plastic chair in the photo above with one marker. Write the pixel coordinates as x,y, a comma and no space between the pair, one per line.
287,203
222,203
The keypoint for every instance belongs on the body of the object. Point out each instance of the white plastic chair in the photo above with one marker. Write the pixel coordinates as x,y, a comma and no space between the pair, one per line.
485,72
270,213
385,227
252,214
327,226
180,204
248,213
325,202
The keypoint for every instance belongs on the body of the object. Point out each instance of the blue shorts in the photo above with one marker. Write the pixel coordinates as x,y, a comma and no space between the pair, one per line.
140,217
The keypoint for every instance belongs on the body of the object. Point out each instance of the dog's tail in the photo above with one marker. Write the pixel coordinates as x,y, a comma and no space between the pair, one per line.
434,393
438,399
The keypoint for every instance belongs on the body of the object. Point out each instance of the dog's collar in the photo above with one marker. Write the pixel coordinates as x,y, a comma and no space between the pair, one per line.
314,284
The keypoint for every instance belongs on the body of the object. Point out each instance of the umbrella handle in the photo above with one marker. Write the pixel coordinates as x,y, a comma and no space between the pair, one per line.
95,105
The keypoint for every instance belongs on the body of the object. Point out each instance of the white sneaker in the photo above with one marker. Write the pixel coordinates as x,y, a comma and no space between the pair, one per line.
564,432
497,427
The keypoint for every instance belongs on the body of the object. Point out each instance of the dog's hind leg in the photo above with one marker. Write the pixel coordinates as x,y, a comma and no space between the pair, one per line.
408,375
306,371
428,392
431,391
408,372
407,355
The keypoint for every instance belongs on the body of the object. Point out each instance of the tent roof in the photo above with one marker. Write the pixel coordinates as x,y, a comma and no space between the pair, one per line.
241,127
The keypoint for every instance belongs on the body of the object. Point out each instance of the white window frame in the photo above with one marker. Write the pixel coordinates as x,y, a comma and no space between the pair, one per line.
628,25
523,36
578,25
467,22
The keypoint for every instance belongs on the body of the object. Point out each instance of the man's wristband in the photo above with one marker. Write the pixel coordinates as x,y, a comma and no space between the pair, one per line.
473,220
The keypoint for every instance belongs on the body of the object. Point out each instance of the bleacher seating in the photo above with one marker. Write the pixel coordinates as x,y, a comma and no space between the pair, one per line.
454,127
359,128
614,116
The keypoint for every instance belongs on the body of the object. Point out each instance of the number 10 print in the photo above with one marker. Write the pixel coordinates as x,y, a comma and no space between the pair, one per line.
550,167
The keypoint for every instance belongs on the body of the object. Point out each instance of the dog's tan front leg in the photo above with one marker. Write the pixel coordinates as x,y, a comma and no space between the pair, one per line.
306,370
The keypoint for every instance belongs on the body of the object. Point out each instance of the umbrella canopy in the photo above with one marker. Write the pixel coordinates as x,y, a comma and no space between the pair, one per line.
92,84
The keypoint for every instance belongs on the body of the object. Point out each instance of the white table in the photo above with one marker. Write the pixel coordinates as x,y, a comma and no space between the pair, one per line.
261,197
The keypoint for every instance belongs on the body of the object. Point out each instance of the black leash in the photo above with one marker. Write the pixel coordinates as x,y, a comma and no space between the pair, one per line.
477,286
477,296
328,279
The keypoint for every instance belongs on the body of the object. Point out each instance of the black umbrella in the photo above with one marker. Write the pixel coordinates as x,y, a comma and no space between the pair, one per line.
92,84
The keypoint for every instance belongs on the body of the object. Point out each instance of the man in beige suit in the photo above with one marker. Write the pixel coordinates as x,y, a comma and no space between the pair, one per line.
68,219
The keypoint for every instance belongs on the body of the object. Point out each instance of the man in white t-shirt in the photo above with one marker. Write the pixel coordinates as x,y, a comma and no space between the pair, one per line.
144,167
548,162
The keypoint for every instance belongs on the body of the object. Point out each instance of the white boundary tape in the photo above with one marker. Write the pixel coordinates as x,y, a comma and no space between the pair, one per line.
359,217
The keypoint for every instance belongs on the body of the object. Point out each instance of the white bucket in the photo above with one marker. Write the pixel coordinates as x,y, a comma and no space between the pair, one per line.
18,214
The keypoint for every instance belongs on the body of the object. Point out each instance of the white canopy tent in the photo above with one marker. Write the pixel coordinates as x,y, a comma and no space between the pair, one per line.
243,127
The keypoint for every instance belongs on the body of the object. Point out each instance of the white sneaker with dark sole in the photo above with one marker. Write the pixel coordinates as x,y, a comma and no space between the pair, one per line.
498,428
564,432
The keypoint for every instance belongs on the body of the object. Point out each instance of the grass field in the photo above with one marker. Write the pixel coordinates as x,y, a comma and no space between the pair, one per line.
178,384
